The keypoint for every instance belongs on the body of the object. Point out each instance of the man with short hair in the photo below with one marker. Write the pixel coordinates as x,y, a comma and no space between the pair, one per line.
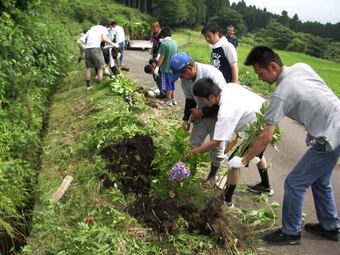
237,108
167,50
119,36
93,53
223,53
302,95
231,37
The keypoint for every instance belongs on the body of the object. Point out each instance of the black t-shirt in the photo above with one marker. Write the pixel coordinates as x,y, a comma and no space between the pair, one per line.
233,40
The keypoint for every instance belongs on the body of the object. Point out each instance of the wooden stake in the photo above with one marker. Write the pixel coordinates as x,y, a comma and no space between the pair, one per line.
62,188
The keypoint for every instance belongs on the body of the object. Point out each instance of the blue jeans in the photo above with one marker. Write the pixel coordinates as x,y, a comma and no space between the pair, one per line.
121,47
314,169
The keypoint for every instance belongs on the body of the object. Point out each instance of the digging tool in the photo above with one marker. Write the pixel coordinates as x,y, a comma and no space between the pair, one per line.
231,144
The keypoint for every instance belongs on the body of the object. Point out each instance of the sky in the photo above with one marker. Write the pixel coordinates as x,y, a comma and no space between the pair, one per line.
322,11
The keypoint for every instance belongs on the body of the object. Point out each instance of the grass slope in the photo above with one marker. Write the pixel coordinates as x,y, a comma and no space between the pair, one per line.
81,124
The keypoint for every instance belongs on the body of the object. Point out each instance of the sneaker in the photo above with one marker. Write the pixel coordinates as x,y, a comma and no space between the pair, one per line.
260,189
88,88
232,208
317,229
280,238
174,102
166,103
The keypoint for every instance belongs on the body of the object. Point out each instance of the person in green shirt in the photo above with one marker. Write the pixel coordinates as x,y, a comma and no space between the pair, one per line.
167,50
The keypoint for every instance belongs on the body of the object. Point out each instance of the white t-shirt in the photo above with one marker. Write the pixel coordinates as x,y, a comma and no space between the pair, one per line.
94,36
237,108
83,38
118,31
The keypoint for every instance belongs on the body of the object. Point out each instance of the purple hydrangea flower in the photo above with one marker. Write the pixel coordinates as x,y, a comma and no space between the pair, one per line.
179,172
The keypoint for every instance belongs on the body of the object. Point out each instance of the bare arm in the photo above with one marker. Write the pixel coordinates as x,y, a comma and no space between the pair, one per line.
206,147
261,143
106,39
234,72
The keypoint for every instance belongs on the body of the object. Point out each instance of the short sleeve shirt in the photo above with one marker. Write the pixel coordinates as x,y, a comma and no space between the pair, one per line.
168,49
119,34
94,36
203,71
223,53
238,106
302,95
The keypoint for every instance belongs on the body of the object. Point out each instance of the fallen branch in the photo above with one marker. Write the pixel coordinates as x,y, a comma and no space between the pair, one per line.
62,188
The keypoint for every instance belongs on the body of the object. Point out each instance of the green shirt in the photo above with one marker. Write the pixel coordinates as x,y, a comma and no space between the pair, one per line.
167,49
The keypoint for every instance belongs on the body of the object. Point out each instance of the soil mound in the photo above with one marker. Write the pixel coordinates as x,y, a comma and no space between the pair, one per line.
130,160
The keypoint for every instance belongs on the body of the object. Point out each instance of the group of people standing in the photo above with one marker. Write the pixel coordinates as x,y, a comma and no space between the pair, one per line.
218,106
93,42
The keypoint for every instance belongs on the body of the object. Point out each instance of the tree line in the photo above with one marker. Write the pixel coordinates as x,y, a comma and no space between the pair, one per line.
277,31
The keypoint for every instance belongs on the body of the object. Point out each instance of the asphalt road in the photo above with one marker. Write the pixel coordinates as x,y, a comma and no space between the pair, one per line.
291,150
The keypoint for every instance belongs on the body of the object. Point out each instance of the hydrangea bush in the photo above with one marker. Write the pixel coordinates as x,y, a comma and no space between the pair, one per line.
179,172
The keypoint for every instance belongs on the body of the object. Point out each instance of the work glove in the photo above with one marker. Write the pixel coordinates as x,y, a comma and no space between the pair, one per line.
310,140
116,45
156,71
236,162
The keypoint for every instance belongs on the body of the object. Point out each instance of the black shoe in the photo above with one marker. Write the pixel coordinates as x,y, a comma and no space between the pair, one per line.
317,229
280,238
261,189
160,96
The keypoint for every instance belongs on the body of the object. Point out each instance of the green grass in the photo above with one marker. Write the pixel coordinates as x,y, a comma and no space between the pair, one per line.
200,51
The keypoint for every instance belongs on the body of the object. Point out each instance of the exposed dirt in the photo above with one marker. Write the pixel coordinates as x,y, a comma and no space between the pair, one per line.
131,159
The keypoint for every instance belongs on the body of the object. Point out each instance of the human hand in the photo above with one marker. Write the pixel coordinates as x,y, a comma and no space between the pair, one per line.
310,140
186,125
236,162
156,71
196,113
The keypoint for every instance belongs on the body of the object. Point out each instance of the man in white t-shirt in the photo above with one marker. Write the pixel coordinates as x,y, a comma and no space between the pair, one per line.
119,35
93,53
237,108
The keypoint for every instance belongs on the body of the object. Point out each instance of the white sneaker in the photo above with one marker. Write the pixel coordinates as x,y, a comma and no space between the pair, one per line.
231,207
157,92
151,93
88,88
154,88
167,103
174,102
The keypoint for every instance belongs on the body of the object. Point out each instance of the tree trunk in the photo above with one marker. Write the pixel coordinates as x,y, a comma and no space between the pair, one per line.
145,8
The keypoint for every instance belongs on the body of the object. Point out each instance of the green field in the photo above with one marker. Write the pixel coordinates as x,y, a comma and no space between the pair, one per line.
200,51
